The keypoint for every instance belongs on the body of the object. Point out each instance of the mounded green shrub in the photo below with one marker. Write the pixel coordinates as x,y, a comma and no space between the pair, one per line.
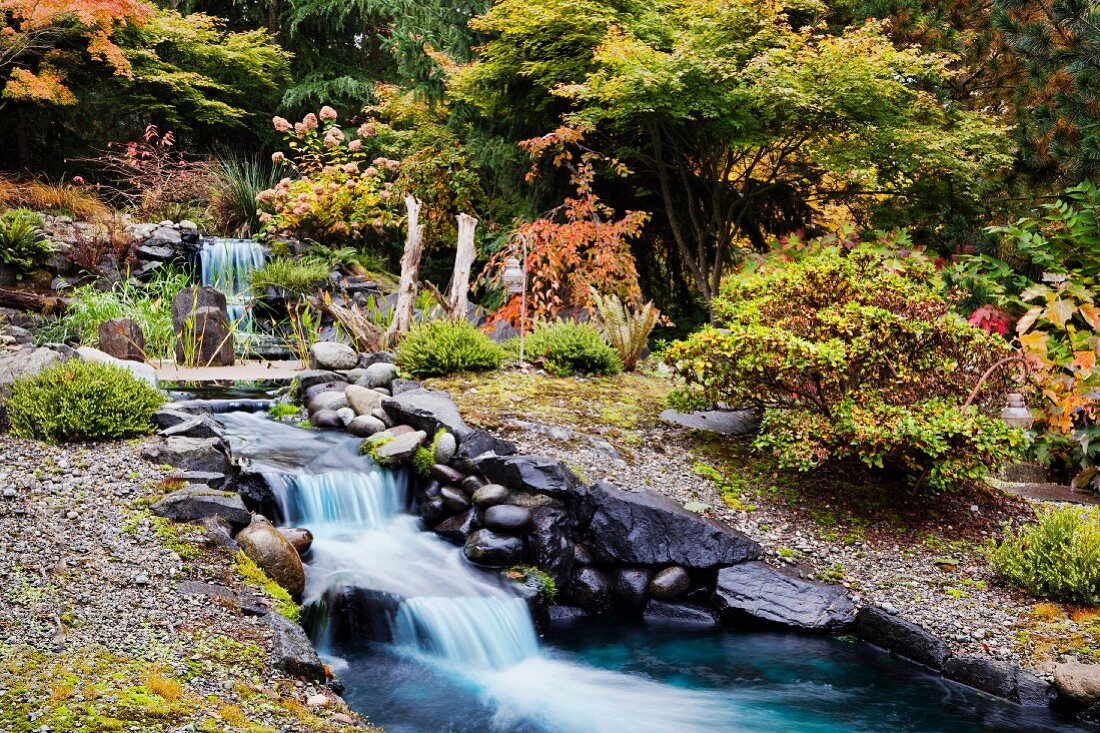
1058,557
444,347
568,348
295,276
79,400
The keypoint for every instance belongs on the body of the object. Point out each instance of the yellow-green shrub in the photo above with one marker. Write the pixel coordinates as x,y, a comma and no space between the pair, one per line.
445,347
78,400
1058,557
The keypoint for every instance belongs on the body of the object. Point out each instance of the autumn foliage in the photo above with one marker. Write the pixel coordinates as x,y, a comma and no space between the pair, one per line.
575,247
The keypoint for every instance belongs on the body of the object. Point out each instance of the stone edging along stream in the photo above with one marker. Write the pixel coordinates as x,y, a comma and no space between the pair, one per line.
606,549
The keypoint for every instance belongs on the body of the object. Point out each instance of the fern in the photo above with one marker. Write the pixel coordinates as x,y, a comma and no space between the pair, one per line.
626,330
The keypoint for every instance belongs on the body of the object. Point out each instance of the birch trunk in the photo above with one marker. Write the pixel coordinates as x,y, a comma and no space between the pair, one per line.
464,261
410,274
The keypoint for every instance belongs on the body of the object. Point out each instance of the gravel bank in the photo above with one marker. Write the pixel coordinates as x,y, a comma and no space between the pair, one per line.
95,631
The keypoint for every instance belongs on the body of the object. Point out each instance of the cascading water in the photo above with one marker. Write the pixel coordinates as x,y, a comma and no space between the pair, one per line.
226,264
465,656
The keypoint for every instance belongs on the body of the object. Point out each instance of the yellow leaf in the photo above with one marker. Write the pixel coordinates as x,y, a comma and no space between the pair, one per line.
1091,314
1035,342
1060,311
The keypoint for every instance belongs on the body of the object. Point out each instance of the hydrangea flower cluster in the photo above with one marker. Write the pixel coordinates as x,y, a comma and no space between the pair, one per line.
335,194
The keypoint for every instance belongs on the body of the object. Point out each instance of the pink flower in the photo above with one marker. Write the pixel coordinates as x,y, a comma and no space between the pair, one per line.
351,168
299,129
310,121
372,171
281,124
265,217
355,146
328,114
78,180
367,129
278,157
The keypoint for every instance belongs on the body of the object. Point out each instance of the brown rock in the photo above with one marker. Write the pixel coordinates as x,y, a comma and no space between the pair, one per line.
1080,682
122,338
201,324
274,554
300,537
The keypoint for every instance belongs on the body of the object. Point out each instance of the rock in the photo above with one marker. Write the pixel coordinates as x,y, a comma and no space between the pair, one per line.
196,426
221,532
490,495
26,363
591,590
198,501
190,454
726,422
401,386
644,528
630,589
581,554
274,554
170,416
1000,679
1079,682
471,484
383,417
139,369
332,355
364,401
188,226
300,538
309,394
446,474
507,518
164,234
902,637
485,547
311,378
669,583
679,613
400,448
428,411
291,650
530,473
326,420
155,252
457,529
757,591
551,547
122,338
201,324
365,426
317,701
478,444
380,374
213,480
378,357
333,400
454,499
433,510
346,415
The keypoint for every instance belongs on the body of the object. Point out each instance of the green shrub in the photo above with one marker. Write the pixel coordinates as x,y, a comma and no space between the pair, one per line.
234,203
627,329
851,356
295,276
149,304
568,348
79,400
1058,557
23,246
445,347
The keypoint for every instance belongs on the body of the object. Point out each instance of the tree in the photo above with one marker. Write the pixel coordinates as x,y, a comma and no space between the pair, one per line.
748,117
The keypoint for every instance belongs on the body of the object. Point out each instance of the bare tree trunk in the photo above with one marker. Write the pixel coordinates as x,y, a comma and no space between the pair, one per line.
464,260
410,274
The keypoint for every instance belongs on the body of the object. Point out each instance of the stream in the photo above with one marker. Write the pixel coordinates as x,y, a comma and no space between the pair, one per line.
465,657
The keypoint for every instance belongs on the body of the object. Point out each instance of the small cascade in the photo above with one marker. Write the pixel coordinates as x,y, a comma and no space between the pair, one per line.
347,499
226,265
489,633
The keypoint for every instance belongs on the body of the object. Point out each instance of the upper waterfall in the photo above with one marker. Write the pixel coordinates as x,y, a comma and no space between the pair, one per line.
226,265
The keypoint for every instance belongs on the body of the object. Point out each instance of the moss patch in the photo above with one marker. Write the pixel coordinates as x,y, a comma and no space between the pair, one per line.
254,575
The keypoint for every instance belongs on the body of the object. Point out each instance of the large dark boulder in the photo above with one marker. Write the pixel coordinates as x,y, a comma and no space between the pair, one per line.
679,613
485,547
196,426
273,552
355,614
478,444
170,416
201,324
427,410
1001,679
122,338
630,589
291,650
902,637
209,455
644,528
196,502
507,518
758,592
457,529
313,377
550,547
530,473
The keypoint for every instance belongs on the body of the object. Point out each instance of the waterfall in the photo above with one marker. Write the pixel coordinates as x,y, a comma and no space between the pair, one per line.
226,265
347,499
491,633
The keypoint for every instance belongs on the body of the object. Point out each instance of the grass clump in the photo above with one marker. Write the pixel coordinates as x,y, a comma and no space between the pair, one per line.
23,245
567,348
446,347
78,400
254,575
1058,557
148,304
424,457
295,276
284,409
535,579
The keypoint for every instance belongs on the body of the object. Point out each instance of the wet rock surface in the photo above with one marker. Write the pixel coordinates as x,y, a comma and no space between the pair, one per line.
757,591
